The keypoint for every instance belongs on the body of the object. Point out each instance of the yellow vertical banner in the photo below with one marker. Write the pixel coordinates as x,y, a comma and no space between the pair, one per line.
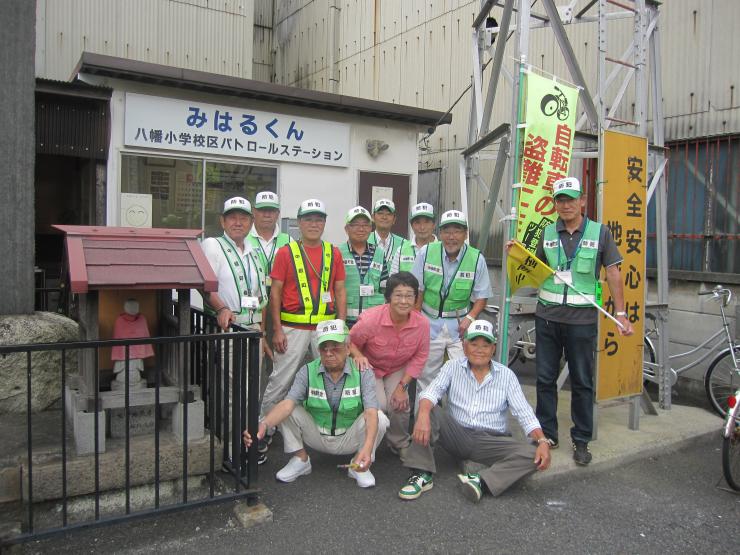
624,210
547,145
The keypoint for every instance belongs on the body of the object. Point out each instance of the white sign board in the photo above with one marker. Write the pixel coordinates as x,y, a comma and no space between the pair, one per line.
136,210
381,193
197,127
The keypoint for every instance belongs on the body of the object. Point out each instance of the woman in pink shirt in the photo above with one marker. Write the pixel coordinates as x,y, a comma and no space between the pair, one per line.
393,341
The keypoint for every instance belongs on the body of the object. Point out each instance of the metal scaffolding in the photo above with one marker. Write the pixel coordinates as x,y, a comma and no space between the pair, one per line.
639,65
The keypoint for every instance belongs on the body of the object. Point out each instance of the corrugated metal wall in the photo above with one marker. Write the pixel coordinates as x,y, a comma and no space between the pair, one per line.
205,35
418,53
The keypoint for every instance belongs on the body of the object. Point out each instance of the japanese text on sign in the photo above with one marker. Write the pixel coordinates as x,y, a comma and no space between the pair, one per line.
545,155
623,211
164,123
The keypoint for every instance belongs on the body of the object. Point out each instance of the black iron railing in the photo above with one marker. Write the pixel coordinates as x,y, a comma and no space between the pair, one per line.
204,361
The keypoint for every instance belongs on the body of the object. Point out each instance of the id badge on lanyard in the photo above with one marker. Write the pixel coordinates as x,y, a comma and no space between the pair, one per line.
367,290
250,303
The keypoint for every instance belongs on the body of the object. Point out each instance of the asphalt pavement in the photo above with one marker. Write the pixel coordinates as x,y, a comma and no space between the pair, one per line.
675,501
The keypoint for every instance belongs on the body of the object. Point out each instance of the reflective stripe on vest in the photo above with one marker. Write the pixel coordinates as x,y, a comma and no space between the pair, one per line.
244,286
312,309
355,303
582,267
328,421
456,300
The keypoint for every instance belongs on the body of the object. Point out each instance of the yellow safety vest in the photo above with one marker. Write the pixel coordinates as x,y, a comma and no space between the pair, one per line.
312,310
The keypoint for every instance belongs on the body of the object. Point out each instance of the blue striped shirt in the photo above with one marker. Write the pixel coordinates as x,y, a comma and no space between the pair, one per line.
482,406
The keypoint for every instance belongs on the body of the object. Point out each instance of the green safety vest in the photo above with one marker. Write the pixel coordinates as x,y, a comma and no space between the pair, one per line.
330,422
396,243
406,256
312,309
355,303
242,281
582,267
455,301
266,259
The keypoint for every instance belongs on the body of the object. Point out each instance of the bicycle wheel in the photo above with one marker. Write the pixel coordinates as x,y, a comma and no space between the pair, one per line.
731,459
722,380
522,342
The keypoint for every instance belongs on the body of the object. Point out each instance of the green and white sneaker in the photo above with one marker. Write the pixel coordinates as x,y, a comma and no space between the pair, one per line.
418,483
471,486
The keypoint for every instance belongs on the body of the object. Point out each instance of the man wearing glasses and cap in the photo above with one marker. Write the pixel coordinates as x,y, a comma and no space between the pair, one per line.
473,425
241,294
307,289
364,265
331,407
422,223
455,283
384,216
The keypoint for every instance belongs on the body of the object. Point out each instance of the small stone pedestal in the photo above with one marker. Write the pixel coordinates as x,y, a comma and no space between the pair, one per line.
196,411
141,421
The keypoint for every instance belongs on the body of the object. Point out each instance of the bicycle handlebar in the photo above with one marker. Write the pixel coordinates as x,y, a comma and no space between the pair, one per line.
718,292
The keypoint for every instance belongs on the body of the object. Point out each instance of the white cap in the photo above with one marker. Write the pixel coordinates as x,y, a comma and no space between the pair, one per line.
453,217
422,209
331,330
481,328
311,206
384,203
266,199
355,212
237,203
569,186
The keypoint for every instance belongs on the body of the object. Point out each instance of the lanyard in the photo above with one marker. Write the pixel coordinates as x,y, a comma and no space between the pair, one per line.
570,260
389,252
445,290
355,256
272,253
307,259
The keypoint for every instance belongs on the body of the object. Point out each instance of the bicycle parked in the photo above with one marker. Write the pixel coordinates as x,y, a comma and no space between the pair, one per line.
722,377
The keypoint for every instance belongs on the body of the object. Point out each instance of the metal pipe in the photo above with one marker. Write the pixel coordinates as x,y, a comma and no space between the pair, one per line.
498,58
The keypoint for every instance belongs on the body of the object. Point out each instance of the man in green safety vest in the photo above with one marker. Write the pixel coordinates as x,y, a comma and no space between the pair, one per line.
266,239
565,323
422,223
364,265
241,295
331,407
384,216
307,288
455,283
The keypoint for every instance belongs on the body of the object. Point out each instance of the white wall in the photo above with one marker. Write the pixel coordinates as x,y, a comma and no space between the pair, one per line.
337,187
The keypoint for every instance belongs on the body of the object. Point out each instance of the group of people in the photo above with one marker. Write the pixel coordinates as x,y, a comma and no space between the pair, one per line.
349,329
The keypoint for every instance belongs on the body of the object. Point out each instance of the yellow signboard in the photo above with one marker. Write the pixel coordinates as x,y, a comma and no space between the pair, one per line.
624,212
550,114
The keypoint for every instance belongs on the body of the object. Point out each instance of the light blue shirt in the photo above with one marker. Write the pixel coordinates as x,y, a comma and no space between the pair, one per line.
482,406
481,285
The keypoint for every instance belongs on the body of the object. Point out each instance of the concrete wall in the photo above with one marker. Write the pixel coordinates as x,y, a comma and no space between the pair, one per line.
17,151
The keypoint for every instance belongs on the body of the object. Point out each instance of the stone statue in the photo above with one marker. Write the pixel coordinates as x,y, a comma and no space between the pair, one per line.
130,324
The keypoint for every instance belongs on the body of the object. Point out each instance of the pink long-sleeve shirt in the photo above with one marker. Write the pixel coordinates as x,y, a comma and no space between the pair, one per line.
388,349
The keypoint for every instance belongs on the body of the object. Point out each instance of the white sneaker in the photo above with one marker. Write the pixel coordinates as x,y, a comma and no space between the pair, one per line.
364,479
295,468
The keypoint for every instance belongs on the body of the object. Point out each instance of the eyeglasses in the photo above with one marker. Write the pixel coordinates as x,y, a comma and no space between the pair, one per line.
400,297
